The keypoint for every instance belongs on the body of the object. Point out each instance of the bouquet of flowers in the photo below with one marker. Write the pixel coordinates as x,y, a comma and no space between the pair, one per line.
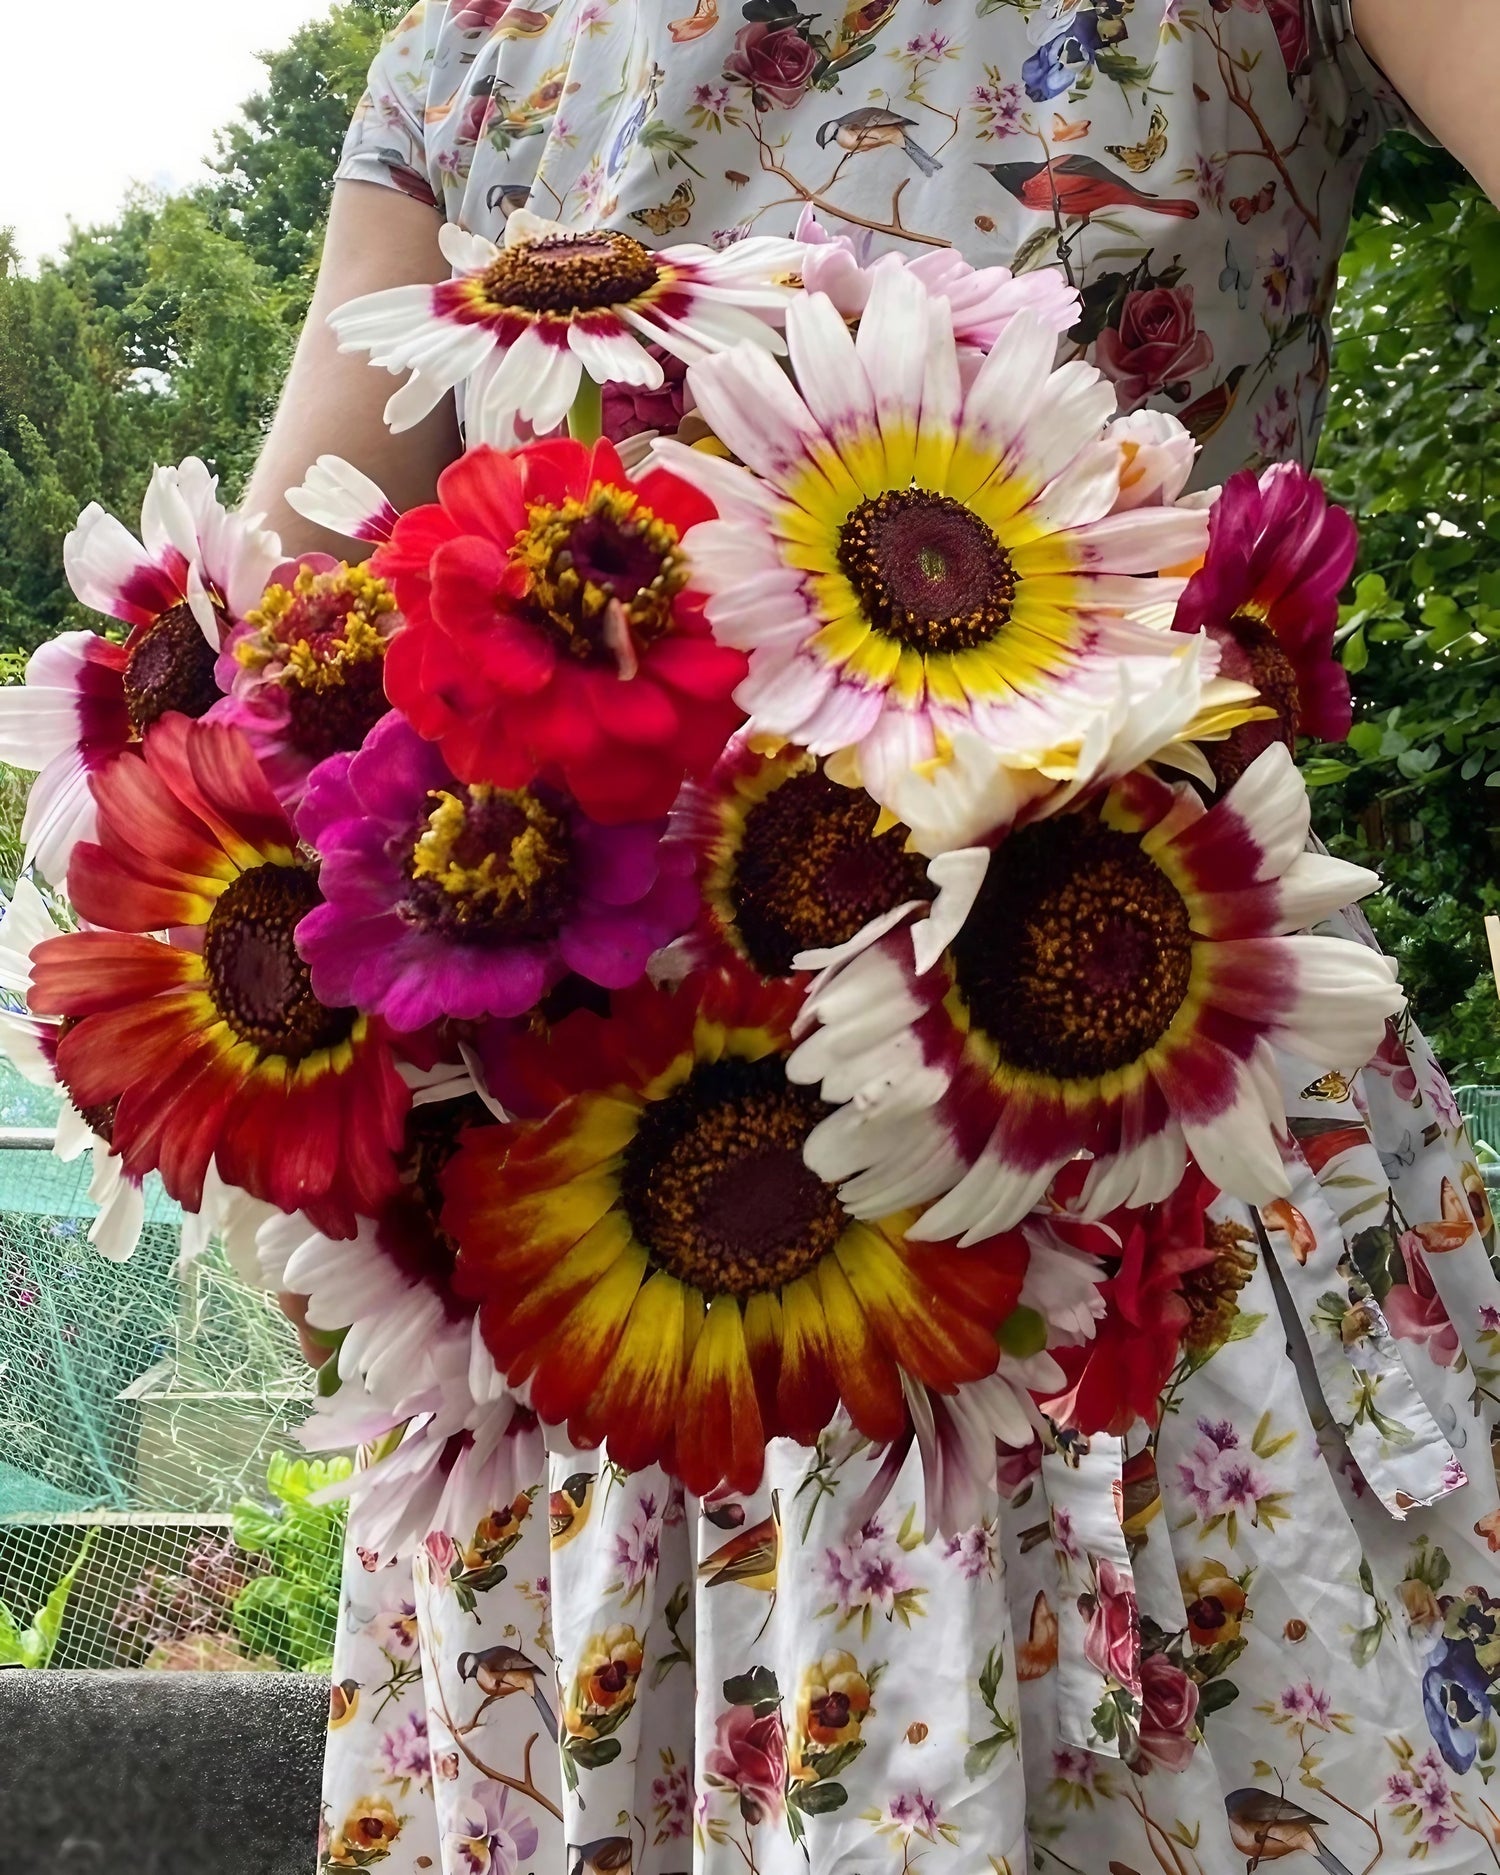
774,927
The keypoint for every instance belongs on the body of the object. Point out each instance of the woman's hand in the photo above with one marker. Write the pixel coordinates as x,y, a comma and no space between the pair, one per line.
1443,56
332,404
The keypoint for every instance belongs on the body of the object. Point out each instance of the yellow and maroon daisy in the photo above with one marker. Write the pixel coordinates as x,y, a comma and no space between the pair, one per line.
658,1269
212,1046
791,864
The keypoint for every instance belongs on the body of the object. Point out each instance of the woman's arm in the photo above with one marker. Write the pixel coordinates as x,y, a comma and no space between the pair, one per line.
1443,56
332,404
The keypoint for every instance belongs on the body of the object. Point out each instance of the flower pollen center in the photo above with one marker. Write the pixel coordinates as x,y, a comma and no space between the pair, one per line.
929,573
170,667
811,872
715,1186
603,572
258,982
567,274
324,640
490,863
1078,952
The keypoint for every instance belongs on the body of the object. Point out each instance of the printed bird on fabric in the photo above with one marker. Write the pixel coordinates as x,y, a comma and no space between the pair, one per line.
872,128
568,1509
501,1673
1078,187
343,1703
1268,1827
752,1559
607,1855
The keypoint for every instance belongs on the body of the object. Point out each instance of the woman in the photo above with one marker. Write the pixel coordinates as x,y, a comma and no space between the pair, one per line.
753,1683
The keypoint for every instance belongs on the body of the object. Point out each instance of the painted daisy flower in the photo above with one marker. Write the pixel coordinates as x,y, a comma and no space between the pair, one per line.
657,1268
788,862
442,1458
529,321
390,1286
1107,982
904,558
213,1047
443,899
29,1043
983,300
343,499
304,672
550,625
1279,555
194,571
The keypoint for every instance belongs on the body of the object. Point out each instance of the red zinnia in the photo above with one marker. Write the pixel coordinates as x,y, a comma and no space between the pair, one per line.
213,1046
1279,555
1117,1378
551,630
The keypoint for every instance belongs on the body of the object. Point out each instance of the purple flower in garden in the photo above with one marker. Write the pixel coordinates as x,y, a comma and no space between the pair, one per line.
465,901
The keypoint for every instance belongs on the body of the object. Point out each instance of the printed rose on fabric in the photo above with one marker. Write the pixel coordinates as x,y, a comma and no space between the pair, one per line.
1169,1715
1289,17
1415,1310
1112,1640
1157,346
748,1756
775,61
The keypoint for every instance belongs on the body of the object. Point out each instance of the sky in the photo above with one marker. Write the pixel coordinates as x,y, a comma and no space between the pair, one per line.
133,93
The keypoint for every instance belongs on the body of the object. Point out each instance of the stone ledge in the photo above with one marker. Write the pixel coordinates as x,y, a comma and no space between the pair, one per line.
160,1773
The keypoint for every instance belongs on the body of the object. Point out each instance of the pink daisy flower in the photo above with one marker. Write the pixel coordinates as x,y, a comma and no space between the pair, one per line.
180,588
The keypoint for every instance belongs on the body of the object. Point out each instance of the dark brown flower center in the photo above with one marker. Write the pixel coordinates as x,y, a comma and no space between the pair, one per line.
602,573
715,1186
490,864
1078,952
259,984
170,667
1250,654
570,273
928,572
409,1229
811,872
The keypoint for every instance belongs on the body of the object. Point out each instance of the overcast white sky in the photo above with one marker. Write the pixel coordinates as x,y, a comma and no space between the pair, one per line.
103,93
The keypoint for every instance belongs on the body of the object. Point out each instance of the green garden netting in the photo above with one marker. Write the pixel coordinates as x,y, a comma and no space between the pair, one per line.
153,1406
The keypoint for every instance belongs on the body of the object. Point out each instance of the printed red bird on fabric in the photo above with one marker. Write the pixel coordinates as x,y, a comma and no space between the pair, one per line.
1078,187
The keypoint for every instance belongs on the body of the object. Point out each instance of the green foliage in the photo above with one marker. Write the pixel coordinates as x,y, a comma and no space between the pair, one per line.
290,1611
34,1645
1414,399
167,332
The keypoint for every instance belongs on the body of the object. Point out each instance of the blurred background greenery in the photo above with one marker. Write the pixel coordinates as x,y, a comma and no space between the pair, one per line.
167,332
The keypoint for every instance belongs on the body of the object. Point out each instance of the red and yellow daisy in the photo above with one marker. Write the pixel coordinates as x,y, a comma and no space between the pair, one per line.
658,1268
551,628
213,1046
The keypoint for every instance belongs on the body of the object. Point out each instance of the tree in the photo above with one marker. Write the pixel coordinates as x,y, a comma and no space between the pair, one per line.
1415,397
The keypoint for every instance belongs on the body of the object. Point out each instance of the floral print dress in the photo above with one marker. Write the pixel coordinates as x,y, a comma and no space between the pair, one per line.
1266,1626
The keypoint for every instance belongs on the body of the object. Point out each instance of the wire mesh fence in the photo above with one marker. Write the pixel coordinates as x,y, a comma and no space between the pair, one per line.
151,1405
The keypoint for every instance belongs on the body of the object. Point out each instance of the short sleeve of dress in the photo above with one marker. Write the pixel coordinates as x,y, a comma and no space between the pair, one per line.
1347,81
387,141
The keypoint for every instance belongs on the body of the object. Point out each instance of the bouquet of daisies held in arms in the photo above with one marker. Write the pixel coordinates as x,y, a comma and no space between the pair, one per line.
777,929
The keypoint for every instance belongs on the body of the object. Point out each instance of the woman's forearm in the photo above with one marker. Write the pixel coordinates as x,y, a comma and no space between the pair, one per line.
1443,56
332,404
